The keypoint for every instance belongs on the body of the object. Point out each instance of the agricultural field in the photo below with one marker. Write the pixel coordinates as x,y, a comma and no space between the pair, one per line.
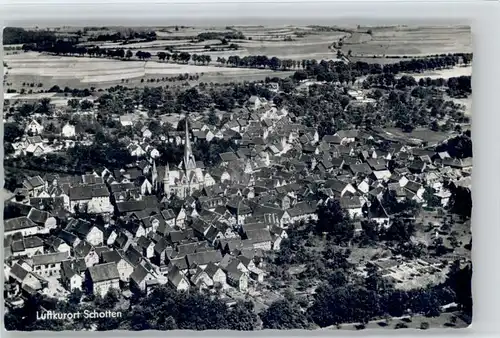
290,42
409,41
85,72
443,73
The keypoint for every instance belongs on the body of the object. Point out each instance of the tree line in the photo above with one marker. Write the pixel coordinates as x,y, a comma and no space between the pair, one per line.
324,70
456,86
16,35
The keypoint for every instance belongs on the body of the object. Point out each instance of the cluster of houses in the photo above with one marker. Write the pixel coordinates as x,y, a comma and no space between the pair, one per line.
191,226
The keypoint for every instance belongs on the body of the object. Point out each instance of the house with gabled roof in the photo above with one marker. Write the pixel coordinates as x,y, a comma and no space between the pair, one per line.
415,187
103,278
22,225
340,188
92,233
201,280
237,278
27,246
302,211
42,218
202,259
87,252
70,277
353,205
216,274
56,244
140,277
177,279
34,185
260,238
23,277
377,213
47,265
147,246
125,268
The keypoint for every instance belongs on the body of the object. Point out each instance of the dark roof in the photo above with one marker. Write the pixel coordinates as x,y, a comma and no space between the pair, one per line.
67,269
161,245
121,240
301,208
32,242
104,272
81,227
143,242
350,203
111,256
121,187
18,246
18,272
168,214
188,248
175,276
259,235
50,258
133,255
33,182
362,168
18,223
332,139
413,186
229,156
80,193
212,269
129,206
38,216
179,262
67,237
202,258
139,274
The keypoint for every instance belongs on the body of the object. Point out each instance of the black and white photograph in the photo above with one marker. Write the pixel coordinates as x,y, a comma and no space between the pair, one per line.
237,177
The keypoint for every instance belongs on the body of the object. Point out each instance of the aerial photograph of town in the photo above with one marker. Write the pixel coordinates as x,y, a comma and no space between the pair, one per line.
313,177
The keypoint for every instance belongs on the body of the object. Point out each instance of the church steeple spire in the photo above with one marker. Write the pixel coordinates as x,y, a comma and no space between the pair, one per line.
166,181
154,176
189,161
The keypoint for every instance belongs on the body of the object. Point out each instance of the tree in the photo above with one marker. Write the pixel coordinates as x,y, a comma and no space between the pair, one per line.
333,220
346,304
300,75
284,315
162,56
87,105
242,317
12,131
431,199
401,230
129,54
74,103
213,119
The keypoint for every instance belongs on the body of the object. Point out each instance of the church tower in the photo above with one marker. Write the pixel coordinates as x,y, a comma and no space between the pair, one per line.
166,181
154,177
189,161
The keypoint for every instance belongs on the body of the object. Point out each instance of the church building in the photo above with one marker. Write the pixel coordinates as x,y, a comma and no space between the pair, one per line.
188,177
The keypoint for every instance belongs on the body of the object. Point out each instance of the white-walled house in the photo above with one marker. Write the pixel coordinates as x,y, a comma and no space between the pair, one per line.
68,130
177,279
48,265
103,278
352,205
22,225
34,127
125,268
